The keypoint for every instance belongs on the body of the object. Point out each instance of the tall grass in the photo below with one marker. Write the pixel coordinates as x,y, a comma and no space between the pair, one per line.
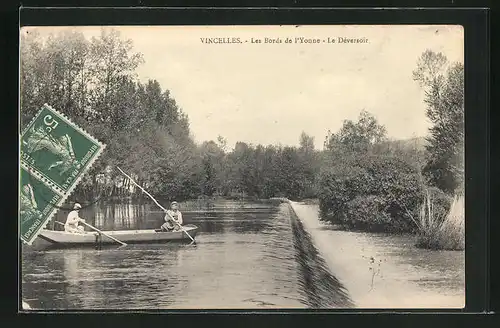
438,232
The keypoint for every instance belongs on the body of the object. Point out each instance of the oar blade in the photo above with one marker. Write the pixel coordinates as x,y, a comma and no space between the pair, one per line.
105,234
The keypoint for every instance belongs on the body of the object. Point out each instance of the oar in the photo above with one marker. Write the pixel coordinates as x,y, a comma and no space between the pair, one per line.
171,218
99,231
154,200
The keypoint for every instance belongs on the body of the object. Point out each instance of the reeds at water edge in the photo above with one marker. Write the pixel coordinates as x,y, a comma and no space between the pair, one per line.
443,233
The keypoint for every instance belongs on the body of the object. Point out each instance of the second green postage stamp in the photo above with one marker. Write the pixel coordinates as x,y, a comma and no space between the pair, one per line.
37,204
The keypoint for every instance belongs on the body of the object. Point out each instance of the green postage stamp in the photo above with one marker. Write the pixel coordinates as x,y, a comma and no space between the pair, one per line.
36,202
56,153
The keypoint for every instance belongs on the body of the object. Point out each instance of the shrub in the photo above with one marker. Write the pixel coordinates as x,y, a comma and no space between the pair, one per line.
367,213
371,192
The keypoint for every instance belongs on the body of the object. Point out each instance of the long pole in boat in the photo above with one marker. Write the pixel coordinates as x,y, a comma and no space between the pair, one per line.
154,200
99,231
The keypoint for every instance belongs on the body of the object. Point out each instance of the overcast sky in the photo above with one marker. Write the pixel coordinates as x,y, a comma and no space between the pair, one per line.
269,93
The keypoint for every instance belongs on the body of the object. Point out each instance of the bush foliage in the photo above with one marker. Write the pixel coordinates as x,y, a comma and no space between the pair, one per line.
375,193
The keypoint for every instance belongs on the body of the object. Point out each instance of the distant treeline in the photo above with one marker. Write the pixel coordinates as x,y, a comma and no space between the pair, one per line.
361,178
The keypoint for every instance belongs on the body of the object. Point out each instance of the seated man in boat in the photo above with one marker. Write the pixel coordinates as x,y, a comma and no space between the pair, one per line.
172,214
73,220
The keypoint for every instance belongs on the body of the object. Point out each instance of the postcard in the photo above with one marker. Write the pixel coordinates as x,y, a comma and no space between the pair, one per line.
242,167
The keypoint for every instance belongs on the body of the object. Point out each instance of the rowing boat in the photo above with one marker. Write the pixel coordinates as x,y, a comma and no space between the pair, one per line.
62,238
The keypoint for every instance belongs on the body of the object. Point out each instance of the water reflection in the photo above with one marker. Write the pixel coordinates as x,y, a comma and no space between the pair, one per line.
244,258
442,271
109,279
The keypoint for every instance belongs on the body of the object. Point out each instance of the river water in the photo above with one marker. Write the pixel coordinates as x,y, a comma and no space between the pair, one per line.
247,255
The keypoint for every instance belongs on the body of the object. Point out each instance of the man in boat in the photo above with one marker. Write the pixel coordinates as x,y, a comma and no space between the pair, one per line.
73,220
173,218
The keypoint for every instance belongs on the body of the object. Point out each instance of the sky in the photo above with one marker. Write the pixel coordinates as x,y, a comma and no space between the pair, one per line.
269,93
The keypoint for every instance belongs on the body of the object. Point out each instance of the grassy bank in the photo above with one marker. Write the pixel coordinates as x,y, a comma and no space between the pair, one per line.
439,225
442,232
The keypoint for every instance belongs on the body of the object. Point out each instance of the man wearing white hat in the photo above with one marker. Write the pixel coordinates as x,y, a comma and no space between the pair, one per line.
73,220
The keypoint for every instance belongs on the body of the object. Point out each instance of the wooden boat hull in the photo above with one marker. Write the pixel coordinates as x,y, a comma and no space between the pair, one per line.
62,238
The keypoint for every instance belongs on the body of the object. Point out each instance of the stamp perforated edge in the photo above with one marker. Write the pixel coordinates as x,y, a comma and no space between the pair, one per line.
51,183
47,220
64,117
80,176
68,121
42,226
34,118
40,177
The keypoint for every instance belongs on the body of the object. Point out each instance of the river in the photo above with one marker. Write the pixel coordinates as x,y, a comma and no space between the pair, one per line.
247,255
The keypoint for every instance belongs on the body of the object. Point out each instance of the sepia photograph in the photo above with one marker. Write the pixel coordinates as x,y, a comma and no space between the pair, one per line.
241,167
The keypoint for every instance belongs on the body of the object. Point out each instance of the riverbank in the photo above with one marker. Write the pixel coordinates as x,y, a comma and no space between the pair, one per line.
386,271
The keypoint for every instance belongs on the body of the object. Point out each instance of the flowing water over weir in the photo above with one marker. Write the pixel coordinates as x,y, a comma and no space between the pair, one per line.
323,290
247,255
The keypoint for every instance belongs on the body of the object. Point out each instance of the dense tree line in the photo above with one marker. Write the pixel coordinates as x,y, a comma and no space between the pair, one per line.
261,171
94,83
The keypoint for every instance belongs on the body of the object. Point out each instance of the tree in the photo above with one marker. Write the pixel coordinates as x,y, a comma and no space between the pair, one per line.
443,83
243,173
53,70
357,136
94,83
306,143
270,172
430,68
213,159
112,62
309,165
222,142
291,177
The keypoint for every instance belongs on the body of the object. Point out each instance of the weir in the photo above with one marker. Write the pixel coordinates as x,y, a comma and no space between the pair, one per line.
377,270
321,288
